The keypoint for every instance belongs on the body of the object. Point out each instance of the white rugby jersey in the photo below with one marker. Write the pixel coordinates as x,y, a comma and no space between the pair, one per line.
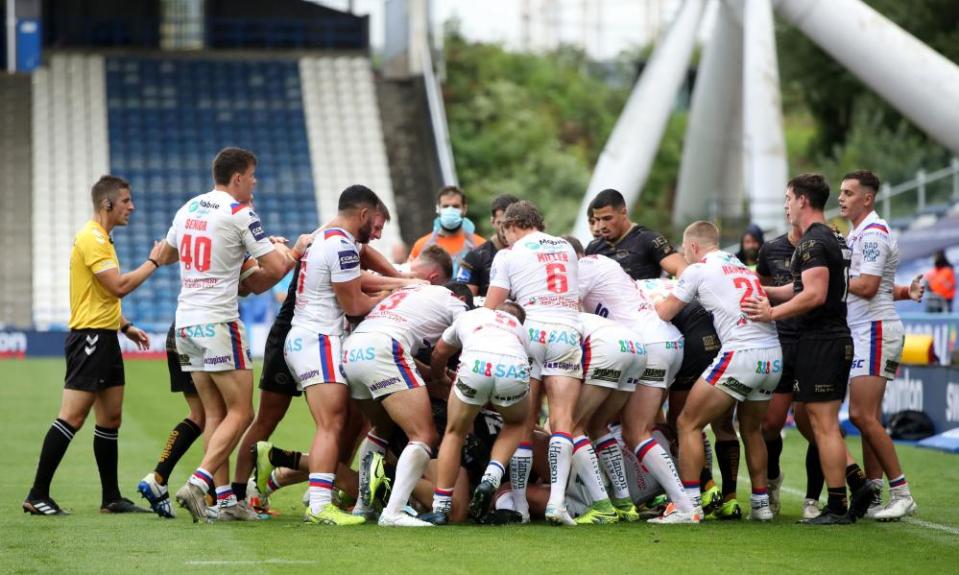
875,253
607,290
490,331
721,283
415,316
332,258
540,272
213,233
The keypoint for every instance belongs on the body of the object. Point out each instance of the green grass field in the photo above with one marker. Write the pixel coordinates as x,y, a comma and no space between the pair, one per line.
87,542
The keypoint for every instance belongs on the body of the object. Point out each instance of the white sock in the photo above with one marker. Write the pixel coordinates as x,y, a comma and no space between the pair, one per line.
494,473
273,483
442,500
654,459
321,491
693,495
225,496
898,487
646,486
202,479
759,498
611,458
560,461
519,467
505,501
409,469
587,468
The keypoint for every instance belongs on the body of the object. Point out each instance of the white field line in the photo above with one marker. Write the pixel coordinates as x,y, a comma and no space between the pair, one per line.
252,562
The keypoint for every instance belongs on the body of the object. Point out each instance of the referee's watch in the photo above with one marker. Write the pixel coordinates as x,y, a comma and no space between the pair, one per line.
126,327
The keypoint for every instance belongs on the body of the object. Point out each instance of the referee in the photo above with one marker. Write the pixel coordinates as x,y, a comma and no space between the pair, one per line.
94,375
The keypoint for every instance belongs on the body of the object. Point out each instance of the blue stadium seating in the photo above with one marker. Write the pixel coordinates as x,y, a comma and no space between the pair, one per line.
167,119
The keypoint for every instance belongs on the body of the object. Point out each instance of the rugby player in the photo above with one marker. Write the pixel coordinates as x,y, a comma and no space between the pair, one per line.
746,370
95,377
328,289
774,268
540,272
278,386
210,237
824,352
493,368
606,290
378,363
877,335
475,267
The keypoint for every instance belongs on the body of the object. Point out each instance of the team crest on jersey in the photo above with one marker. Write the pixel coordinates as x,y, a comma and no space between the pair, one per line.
870,251
349,259
256,229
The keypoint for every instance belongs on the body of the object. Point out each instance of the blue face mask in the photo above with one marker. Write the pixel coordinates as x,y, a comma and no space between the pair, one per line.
451,218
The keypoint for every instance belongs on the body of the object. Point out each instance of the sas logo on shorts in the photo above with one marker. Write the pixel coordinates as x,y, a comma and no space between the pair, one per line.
767,367
355,355
197,331
465,389
256,229
295,344
633,347
870,251
544,337
349,259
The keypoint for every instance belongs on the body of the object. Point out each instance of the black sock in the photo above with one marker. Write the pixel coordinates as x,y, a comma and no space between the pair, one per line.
106,453
855,478
177,444
54,447
284,458
814,477
239,489
774,449
705,476
727,455
837,502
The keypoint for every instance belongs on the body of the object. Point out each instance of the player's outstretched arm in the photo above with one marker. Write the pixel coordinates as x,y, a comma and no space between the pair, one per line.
439,359
668,308
914,291
371,259
120,285
815,287
351,298
373,283
674,264
271,267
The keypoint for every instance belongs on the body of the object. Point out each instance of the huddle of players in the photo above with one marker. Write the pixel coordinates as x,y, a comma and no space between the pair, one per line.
530,337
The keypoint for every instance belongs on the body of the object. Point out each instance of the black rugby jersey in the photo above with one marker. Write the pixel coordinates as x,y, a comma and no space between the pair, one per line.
820,246
775,262
638,252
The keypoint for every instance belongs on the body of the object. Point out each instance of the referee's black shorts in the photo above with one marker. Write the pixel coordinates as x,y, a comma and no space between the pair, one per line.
822,369
180,381
94,360
276,376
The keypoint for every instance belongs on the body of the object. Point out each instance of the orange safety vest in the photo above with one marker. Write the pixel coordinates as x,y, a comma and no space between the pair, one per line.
942,281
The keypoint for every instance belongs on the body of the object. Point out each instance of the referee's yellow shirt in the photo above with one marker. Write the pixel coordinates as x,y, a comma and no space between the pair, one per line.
91,305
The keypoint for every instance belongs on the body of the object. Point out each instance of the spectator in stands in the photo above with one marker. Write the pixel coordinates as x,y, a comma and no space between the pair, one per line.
942,285
475,267
452,230
749,246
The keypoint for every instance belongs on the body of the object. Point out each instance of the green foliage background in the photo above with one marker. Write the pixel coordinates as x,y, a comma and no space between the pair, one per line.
534,124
